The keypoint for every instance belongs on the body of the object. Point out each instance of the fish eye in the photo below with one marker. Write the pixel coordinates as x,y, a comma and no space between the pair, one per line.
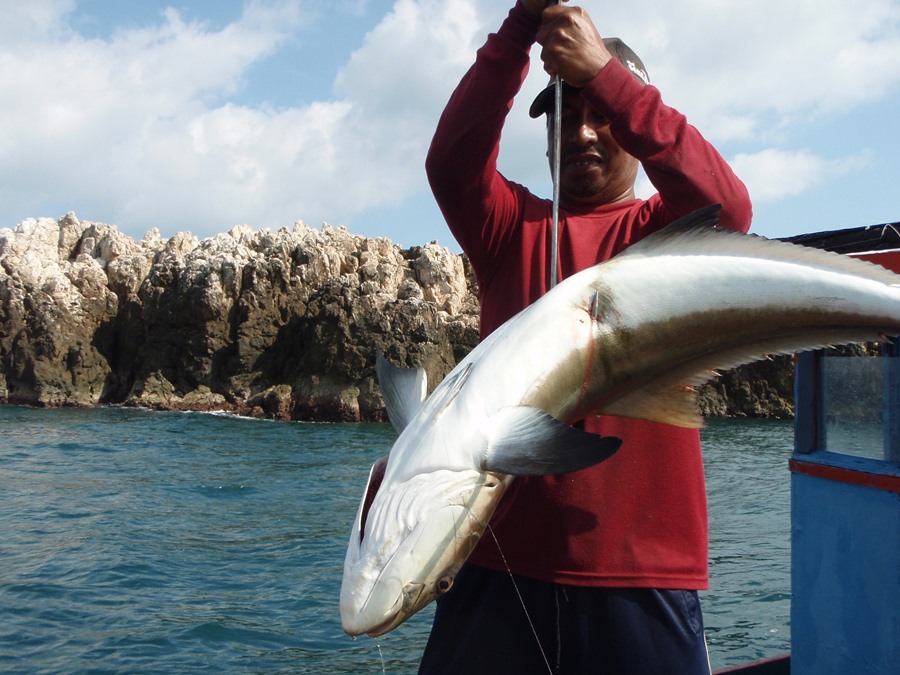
444,584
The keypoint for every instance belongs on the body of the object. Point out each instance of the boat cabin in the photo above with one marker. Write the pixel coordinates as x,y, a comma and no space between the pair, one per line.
845,494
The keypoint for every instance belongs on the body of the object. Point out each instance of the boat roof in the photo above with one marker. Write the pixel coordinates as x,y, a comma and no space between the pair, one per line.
857,240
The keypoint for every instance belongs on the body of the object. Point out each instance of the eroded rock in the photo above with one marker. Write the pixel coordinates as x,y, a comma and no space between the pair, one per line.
279,324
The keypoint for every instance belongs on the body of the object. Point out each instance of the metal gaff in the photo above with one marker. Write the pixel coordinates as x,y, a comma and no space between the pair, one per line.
557,143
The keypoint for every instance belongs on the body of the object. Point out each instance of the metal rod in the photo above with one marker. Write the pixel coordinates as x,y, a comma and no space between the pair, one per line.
557,142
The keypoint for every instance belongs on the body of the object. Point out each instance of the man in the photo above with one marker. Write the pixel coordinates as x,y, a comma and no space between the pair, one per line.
594,571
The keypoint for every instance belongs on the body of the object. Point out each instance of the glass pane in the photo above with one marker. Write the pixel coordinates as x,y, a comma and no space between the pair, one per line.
853,395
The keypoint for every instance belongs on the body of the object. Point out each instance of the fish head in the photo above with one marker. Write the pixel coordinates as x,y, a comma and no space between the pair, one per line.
406,550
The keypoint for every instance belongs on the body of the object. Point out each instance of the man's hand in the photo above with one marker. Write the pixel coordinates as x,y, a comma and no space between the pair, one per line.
572,47
536,7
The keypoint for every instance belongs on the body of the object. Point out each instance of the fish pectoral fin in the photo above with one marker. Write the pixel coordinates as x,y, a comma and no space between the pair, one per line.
525,441
675,405
403,390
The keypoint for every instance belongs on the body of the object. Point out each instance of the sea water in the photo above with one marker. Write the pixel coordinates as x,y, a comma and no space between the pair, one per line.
138,541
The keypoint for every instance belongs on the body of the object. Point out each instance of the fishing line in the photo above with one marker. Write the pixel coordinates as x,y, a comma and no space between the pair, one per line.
522,602
381,654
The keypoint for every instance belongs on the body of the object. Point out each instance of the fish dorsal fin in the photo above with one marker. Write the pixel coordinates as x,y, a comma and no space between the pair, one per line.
697,234
403,390
526,441
695,224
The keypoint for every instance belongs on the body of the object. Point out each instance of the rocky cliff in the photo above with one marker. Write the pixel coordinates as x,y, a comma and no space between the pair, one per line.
278,324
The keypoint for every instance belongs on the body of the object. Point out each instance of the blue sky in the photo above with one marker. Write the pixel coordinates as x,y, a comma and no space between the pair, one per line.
197,115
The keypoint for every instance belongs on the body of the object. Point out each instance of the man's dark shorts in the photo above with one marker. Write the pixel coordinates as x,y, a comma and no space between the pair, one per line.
480,626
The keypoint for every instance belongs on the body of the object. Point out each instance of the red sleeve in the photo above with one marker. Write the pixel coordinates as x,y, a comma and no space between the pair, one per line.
686,169
480,206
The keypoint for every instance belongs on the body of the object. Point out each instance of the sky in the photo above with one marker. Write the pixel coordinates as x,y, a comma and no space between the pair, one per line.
198,115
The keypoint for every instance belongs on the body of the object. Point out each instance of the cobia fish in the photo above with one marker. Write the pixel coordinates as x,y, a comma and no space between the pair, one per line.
630,337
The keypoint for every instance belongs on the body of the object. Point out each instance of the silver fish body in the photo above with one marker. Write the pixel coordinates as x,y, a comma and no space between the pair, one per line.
630,337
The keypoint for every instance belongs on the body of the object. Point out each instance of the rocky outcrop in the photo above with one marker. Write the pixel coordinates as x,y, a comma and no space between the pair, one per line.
279,324
761,389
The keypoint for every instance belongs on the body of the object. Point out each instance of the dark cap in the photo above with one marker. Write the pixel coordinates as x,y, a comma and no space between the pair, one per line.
543,102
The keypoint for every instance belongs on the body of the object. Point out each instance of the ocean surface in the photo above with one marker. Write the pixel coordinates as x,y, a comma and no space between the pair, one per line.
147,542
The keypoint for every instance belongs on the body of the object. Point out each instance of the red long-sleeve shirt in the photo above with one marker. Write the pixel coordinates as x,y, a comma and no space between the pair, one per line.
639,518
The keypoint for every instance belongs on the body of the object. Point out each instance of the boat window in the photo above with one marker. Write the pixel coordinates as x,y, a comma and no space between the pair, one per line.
857,392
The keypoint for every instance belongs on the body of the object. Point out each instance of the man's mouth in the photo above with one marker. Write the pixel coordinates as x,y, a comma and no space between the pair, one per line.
583,161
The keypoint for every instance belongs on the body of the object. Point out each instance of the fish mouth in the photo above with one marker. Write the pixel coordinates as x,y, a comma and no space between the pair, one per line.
385,627
382,591
412,602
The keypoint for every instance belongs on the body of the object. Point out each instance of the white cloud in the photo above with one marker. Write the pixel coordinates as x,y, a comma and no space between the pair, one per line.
105,124
397,83
132,129
146,128
35,20
741,70
330,160
774,174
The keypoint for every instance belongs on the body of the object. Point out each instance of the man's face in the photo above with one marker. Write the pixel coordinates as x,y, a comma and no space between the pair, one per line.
594,170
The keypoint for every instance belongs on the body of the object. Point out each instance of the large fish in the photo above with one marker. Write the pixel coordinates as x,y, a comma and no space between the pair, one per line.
629,337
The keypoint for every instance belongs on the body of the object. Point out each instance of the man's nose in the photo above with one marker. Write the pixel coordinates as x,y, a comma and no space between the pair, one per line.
585,134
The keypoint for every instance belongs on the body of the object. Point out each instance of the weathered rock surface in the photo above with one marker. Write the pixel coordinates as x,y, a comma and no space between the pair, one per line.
282,324
279,324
